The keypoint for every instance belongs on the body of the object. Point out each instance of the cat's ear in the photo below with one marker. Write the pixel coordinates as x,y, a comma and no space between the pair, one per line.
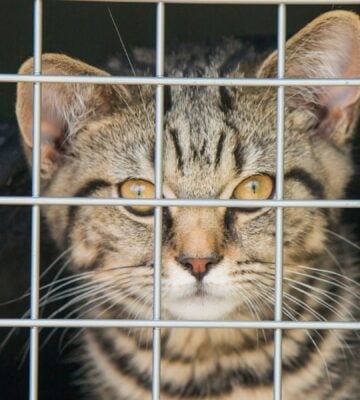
328,47
64,105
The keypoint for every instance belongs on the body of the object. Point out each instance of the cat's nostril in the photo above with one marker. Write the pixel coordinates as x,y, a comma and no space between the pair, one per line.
198,267
188,266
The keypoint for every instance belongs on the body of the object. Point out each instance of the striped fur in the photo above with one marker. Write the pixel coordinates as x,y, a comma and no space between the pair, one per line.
96,137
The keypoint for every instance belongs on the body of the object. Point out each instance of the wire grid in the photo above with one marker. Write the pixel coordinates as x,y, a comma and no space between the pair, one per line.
34,323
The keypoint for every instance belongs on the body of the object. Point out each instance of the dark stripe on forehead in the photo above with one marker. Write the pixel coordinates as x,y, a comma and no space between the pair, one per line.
86,191
226,101
167,99
238,157
178,150
152,153
219,148
311,183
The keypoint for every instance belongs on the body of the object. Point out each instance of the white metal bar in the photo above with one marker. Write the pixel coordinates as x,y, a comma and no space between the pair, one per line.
35,227
83,201
255,2
279,196
122,323
131,80
160,62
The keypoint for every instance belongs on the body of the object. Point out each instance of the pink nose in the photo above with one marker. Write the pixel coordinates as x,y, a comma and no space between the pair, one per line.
199,267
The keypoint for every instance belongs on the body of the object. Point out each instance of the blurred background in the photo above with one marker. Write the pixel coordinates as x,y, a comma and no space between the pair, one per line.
84,30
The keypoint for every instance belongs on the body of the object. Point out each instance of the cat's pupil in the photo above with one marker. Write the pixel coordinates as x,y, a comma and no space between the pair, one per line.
138,190
253,187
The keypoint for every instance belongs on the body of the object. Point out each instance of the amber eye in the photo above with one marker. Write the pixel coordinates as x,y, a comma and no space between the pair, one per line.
256,187
138,189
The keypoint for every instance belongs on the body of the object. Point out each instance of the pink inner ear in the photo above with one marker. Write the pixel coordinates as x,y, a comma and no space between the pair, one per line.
344,96
51,131
340,97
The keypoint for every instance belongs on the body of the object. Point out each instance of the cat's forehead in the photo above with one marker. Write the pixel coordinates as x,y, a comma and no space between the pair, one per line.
203,138
209,139
208,145
202,111
209,120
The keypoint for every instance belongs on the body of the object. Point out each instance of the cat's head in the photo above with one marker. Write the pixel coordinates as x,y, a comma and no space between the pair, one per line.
98,141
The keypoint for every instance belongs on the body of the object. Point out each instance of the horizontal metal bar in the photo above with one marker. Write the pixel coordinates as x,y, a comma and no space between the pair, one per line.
131,80
255,2
122,323
83,201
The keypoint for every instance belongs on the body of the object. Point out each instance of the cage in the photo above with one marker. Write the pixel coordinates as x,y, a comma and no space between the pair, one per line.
87,30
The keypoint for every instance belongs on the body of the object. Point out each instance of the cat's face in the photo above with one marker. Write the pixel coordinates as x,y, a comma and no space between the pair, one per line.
219,143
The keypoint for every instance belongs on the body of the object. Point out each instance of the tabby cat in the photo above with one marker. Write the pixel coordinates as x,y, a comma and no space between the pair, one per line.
218,263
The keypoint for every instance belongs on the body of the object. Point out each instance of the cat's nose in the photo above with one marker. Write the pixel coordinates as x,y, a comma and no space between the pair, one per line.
199,267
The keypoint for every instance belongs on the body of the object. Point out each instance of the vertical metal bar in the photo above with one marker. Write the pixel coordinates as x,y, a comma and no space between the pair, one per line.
160,57
279,196
35,229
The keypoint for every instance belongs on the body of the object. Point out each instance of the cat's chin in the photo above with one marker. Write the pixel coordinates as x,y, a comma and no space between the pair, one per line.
200,308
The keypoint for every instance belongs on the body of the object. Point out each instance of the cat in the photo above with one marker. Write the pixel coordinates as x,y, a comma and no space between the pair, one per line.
217,263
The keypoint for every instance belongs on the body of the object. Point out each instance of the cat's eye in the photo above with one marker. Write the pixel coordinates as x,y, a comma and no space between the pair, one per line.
138,189
256,187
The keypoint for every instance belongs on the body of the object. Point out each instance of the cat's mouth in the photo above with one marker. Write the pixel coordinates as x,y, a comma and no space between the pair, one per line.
200,291
198,303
